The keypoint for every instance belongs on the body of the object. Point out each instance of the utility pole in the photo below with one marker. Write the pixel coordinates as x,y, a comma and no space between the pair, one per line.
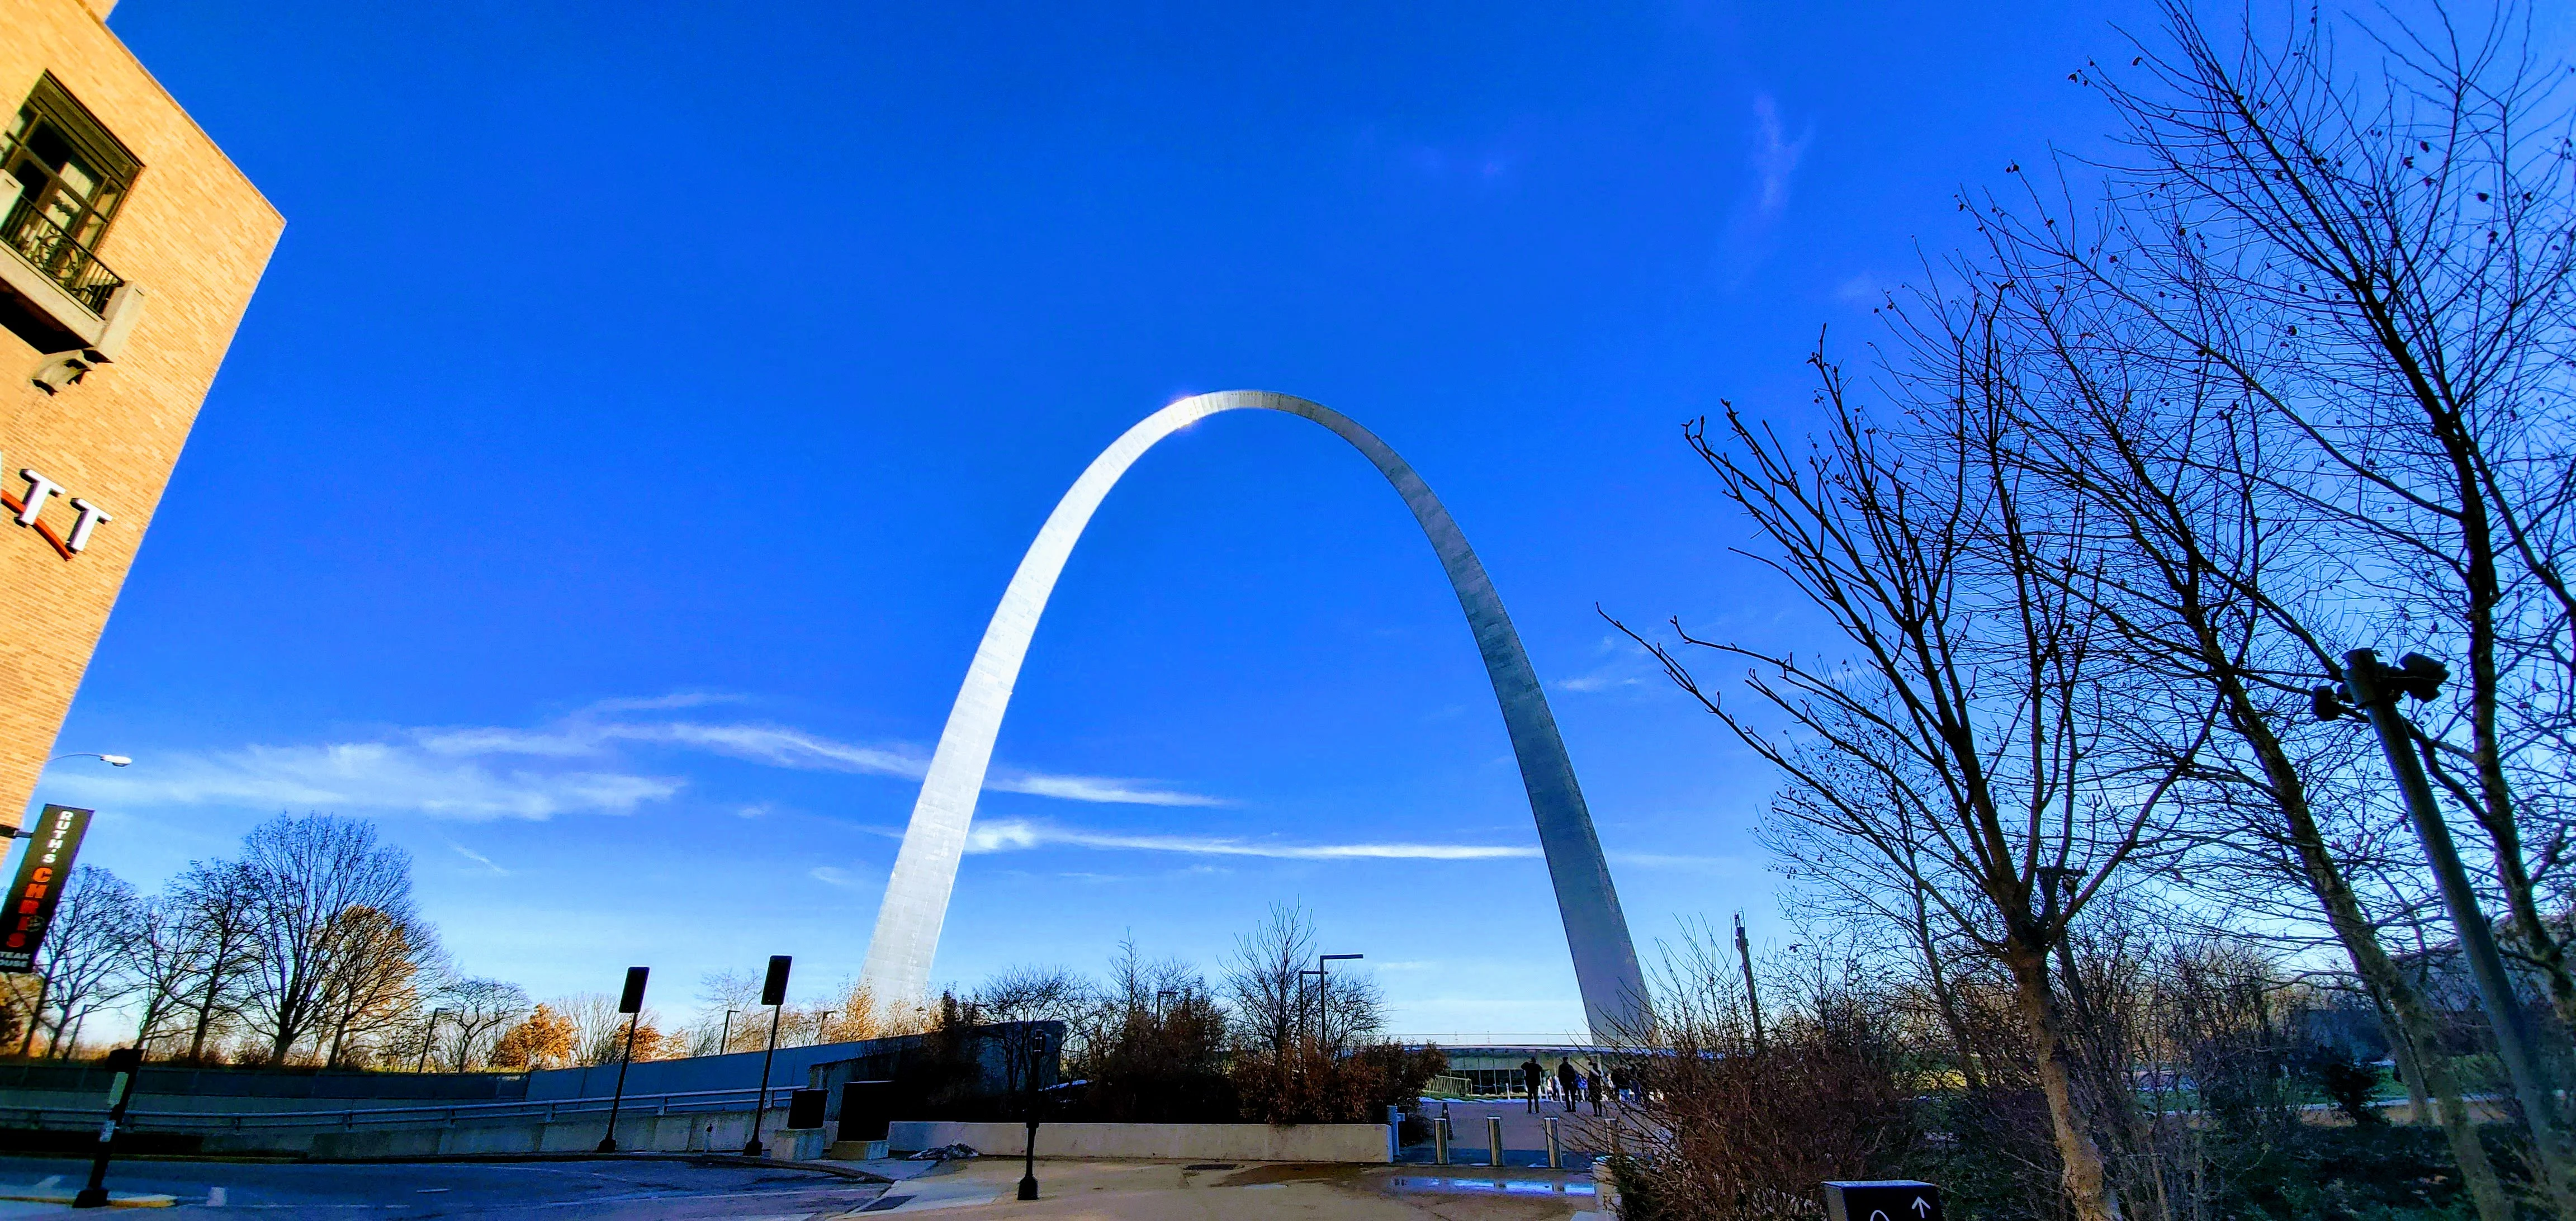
2374,687
1302,1002
1752,999
427,1036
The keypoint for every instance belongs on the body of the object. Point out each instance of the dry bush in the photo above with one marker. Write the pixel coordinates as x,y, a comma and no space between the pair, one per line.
1733,1123
1312,1085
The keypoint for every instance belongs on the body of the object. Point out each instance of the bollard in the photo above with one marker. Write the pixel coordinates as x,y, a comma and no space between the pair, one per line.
1440,1140
1555,1147
1494,1140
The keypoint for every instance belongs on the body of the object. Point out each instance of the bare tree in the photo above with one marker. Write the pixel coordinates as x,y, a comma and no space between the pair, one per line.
1026,1000
217,902
2380,260
599,1030
2210,586
1032,994
1266,981
86,952
307,875
162,963
480,1009
720,993
2362,283
1964,740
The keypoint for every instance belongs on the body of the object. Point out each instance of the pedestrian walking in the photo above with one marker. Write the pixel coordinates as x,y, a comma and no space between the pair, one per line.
1569,1084
1535,1076
1592,1086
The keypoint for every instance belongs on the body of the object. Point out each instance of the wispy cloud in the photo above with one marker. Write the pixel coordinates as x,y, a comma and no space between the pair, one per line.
1094,788
369,776
1622,665
579,764
478,858
1006,835
831,876
1669,860
1775,157
1863,290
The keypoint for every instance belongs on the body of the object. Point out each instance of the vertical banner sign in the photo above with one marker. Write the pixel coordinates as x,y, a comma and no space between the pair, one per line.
42,873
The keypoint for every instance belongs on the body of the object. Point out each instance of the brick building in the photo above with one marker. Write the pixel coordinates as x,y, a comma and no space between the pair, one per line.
129,247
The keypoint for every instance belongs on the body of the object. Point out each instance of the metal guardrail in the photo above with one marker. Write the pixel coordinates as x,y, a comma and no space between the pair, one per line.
52,251
694,1102
1470,1039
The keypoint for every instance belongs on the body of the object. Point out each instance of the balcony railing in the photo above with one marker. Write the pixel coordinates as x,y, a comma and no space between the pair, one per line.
67,263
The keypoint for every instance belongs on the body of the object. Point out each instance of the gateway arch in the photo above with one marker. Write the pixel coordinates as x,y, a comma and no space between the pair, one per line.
925,870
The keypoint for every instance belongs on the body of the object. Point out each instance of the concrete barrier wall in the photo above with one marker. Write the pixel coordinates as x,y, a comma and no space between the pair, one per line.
218,1104
723,1132
1181,1142
718,1132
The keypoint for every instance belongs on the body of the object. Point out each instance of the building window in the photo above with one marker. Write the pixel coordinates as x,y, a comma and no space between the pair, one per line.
72,176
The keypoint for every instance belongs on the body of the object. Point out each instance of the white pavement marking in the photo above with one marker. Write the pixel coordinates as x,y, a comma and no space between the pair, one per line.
930,1196
215,1197
51,1180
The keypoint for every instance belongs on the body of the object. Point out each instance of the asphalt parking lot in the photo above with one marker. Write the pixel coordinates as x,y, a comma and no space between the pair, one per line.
560,1191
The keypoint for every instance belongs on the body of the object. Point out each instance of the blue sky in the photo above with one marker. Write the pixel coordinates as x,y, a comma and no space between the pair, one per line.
648,403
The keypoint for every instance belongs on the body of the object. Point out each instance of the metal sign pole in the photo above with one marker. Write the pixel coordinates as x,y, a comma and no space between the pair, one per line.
630,1003
127,1064
773,993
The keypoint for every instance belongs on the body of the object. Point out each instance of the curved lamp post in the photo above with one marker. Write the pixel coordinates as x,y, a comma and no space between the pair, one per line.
110,760
10,833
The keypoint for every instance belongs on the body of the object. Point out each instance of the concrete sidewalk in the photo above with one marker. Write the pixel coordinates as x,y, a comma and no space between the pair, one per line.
1583,1135
1166,1191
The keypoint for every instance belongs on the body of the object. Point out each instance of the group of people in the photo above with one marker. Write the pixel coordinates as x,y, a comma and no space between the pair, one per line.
1571,1086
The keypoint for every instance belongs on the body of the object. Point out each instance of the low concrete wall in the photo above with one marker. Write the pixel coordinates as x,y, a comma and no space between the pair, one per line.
1180,1142
723,1132
214,1104
717,1132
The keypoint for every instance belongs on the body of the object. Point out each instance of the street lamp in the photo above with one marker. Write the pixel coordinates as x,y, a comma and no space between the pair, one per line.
1323,1011
823,1023
724,1039
1301,1001
9,833
2370,689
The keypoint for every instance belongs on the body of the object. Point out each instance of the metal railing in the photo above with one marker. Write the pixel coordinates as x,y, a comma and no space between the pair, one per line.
693,1102
50,250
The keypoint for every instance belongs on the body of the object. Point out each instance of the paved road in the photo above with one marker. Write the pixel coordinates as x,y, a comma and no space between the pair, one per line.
557,1191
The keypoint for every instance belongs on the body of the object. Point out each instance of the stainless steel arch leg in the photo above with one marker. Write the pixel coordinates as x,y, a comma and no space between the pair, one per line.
925,870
